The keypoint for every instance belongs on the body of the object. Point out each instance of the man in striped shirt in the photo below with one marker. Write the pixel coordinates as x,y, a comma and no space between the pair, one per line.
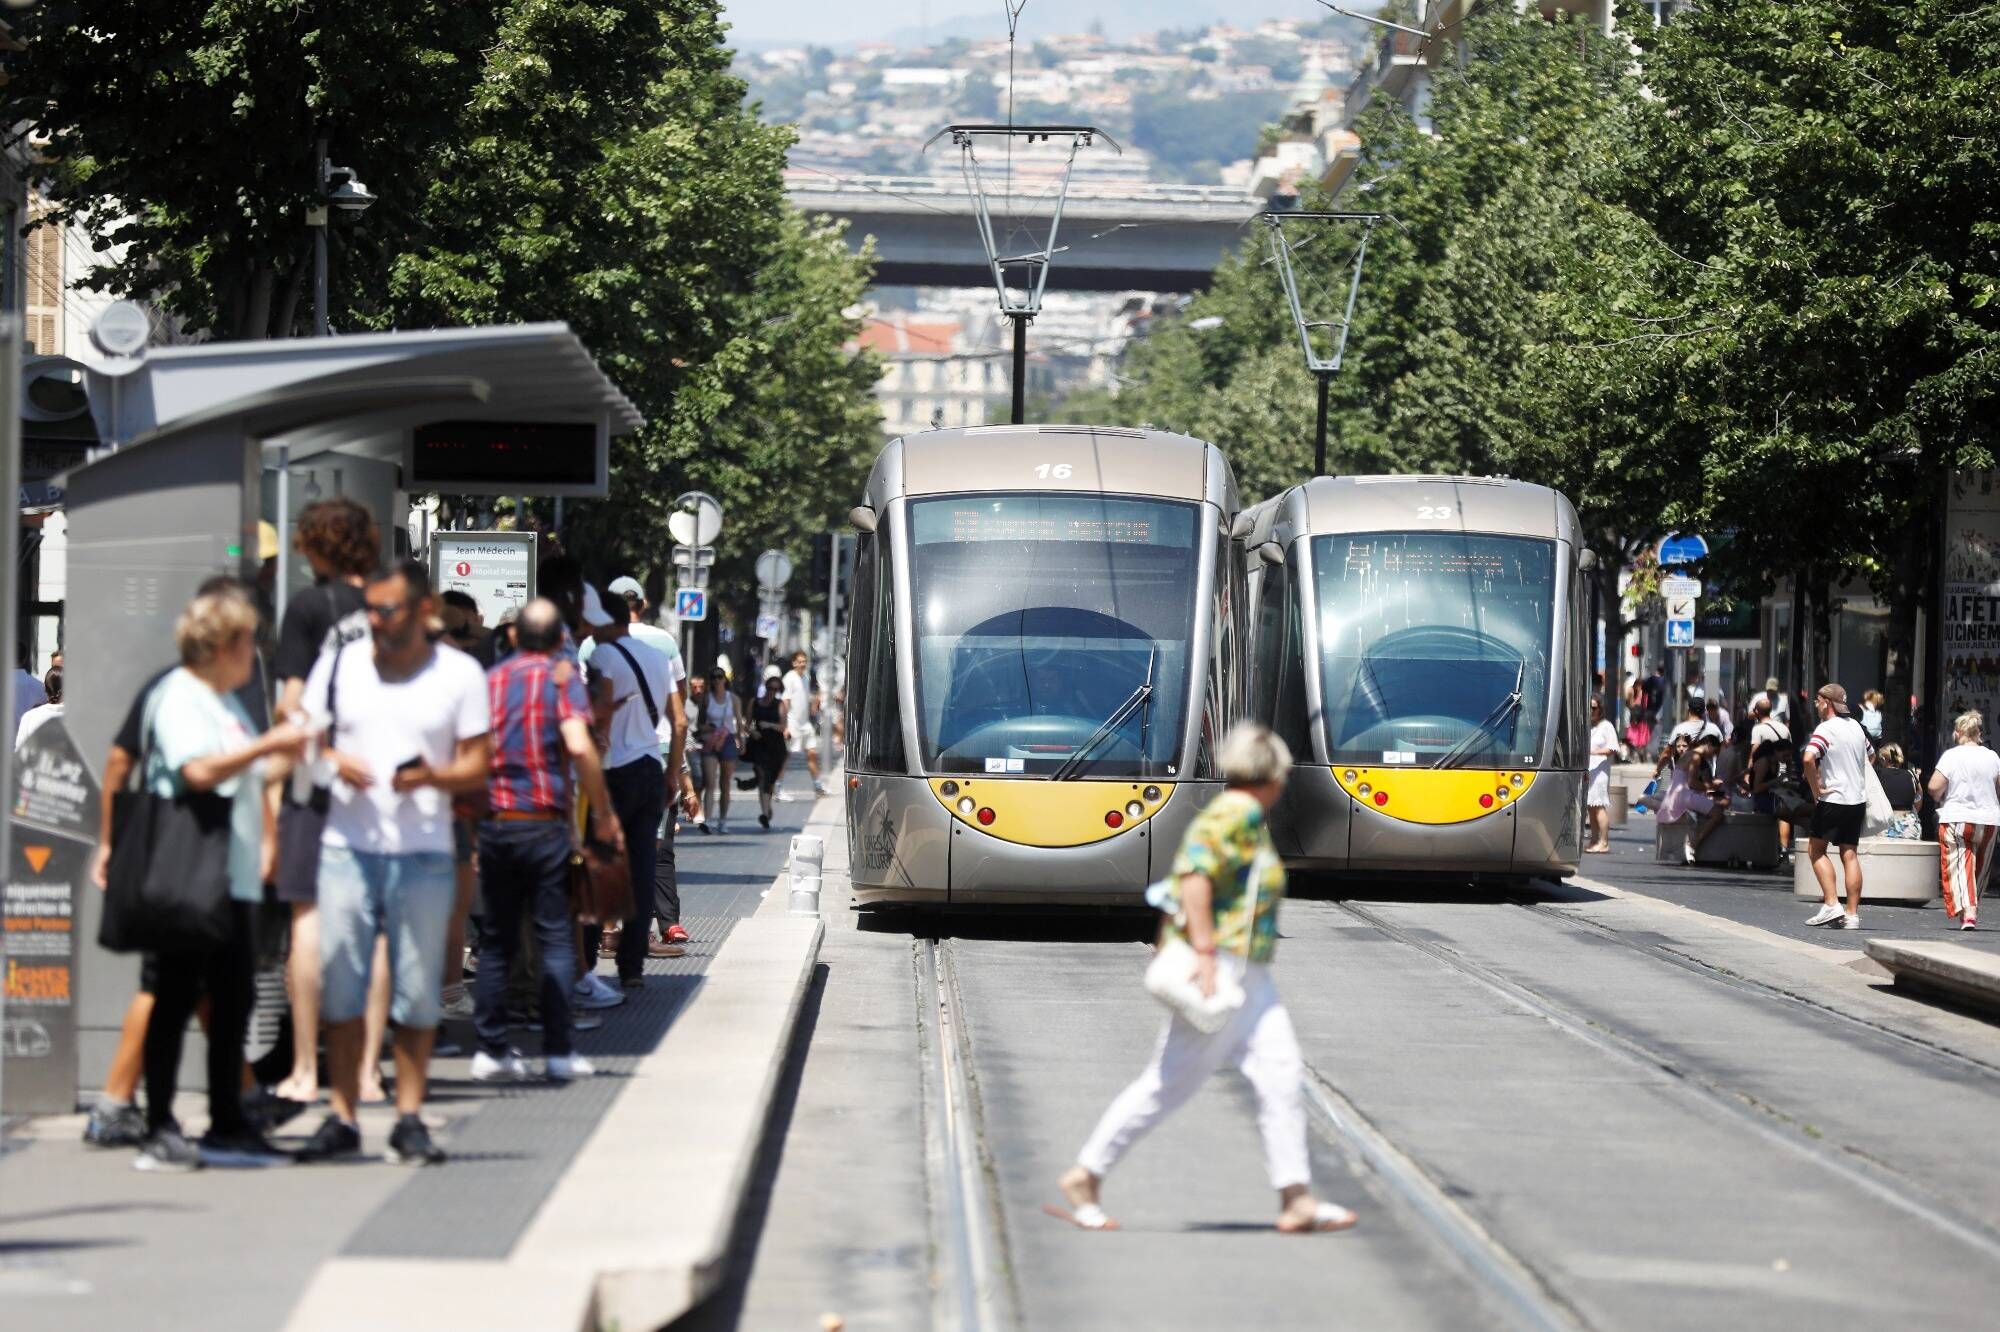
541,726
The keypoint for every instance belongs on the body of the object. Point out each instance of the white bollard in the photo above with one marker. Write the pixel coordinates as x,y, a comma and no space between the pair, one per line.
808,854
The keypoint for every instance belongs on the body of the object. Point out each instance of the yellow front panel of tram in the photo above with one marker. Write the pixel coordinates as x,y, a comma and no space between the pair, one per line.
1434,795
1028,812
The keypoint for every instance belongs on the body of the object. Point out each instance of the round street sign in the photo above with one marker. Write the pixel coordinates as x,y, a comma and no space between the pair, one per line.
121,329
696,520
774,570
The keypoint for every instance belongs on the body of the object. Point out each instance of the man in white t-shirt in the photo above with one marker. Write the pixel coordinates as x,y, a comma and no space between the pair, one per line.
800,710
680,777
1597,799
409,732
639,707
1696,725
1966,785
1781,706
1835,760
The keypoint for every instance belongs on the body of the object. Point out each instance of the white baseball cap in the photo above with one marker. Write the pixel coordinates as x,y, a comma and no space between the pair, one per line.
594,616
625,585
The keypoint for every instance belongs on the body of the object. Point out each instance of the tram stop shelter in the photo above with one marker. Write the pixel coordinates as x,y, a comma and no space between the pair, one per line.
199,444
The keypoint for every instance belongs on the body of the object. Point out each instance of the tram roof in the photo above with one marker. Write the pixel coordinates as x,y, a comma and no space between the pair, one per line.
1112,459
1475,504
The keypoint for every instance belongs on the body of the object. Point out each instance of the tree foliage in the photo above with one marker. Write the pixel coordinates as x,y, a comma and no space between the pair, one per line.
534,159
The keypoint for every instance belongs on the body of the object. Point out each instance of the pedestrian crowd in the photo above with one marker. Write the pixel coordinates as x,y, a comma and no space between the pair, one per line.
433,798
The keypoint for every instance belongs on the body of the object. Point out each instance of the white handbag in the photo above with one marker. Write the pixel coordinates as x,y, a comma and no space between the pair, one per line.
1880,813
1170,975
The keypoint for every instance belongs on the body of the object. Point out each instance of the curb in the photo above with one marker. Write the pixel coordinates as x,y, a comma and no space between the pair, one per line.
637,1231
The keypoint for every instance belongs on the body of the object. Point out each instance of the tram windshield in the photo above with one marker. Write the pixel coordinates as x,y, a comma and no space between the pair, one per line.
1434,647
1040,622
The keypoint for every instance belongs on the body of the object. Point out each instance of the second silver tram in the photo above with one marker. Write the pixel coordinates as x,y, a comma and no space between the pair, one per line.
1042,654
1419,642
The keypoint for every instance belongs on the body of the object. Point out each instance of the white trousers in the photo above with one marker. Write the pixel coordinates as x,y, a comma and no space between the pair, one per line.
1259,1041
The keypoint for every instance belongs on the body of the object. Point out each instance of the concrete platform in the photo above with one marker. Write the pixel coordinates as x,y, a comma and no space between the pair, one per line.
1952,970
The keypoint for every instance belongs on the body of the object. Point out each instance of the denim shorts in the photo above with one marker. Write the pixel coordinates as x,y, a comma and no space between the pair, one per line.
408,898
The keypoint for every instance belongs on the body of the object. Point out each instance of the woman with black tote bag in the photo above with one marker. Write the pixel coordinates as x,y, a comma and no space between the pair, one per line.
188,869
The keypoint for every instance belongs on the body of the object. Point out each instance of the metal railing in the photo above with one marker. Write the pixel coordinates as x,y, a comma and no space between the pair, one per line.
929,188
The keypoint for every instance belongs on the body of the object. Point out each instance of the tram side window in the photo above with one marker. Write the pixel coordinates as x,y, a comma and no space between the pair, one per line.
860,640
882,715
1288,716
1270,639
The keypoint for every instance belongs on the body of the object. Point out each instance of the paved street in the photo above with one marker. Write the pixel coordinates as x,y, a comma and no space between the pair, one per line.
144,1250
1658,1105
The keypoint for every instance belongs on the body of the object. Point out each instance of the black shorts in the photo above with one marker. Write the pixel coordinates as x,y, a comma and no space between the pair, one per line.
1839,824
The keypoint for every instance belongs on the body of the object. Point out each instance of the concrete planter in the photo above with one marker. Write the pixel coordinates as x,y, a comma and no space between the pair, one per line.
1892,870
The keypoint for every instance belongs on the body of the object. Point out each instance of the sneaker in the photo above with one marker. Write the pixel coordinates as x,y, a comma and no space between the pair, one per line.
703,825
410,1144
1970,923
722,827
567,1068
335,1140
114,1124
764,822
676,934
819,788
457,1004
587,1021
243,1149
1687,853
509,1067
167,1152
1826,915
266,1110
594,991
1851,921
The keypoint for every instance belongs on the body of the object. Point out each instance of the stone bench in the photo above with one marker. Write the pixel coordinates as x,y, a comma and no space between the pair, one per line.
1966,975
1893,869
1745,840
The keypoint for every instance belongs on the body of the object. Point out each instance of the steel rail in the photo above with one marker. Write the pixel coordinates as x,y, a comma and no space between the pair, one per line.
1762,989
1879,1180
1513,1285
974,1294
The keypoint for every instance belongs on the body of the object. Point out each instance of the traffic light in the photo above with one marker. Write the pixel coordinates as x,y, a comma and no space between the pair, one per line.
822,562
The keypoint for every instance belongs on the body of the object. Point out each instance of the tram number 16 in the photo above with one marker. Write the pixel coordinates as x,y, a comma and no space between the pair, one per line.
1060,471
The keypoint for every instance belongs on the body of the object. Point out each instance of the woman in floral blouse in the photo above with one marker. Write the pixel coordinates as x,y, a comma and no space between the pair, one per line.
1227,883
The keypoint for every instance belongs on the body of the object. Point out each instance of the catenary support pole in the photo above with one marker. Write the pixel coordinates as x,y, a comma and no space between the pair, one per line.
10,588
1020,369
1319,436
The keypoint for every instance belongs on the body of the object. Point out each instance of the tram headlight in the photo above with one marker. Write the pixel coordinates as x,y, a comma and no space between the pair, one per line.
949,788
1151,793
1516,781
1349,774
1364,788
965,806
1135,810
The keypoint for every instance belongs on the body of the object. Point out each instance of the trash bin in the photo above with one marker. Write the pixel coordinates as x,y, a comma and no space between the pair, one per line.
1621,799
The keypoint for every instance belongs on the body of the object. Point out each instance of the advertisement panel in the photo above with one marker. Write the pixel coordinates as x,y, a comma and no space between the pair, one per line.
1969,623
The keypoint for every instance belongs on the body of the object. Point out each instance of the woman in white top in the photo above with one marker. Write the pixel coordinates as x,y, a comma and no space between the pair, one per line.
721,746
1966,785
39,716
1597,799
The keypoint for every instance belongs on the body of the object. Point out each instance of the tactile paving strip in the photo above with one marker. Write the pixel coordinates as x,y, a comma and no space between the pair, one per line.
506,1157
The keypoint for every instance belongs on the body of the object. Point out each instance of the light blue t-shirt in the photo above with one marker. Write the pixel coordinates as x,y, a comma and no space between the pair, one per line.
189,720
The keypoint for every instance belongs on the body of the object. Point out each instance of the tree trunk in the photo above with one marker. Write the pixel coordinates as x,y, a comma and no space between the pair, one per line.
1908,582
288,310
256,321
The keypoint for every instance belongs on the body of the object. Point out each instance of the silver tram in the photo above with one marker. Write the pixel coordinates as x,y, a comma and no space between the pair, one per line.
1042,654
1420,643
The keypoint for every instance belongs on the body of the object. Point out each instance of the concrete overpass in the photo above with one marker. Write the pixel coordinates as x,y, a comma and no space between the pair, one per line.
1113,238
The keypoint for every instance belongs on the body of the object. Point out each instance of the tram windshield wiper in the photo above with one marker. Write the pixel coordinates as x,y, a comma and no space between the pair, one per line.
1494,720
1141,697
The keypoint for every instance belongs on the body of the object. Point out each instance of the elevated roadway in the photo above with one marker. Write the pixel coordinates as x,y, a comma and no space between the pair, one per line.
1113,238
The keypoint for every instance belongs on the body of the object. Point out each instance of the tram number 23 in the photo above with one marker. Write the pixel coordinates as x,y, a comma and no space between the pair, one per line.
1058,471
1437,511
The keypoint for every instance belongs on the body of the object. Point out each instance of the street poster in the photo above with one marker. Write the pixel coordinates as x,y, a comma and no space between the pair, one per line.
1969,627
55,814
495,569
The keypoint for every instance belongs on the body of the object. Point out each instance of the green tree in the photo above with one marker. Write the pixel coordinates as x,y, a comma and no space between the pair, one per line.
567,159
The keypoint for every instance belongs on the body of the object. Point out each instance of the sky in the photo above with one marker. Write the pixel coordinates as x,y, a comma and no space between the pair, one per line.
758,23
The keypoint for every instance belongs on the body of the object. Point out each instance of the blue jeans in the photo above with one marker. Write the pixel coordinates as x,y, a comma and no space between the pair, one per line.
407,898
524,869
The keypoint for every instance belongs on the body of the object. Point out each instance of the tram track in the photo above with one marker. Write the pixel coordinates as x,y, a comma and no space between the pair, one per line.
1761,989
972,1287
1772,1123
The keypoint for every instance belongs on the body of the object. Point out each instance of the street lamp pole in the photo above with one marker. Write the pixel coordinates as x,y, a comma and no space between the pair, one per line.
339,188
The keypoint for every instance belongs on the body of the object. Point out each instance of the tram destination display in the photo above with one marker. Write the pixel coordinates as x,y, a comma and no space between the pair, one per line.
507,457
1080,519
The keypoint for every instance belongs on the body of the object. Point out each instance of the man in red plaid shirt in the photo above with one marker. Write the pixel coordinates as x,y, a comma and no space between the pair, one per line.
541,726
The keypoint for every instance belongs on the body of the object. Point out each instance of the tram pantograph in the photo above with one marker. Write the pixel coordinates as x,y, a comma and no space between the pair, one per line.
1420,644
1042,655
